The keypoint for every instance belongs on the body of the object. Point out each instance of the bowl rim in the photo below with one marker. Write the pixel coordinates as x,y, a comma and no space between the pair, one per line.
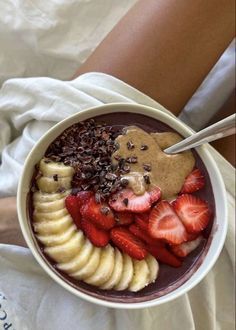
171,120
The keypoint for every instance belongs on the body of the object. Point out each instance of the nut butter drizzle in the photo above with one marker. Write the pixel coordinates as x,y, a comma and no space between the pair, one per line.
151,166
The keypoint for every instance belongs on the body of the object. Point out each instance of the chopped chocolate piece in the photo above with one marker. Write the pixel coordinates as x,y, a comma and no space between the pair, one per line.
124,182
147,179
130,145
98,198
55,177
132,160
110,176
125,168
105,210
61,190
144,147
125,201
147,167
74,191
47,161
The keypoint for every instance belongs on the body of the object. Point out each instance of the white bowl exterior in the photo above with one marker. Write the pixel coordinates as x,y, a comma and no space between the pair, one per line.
220,222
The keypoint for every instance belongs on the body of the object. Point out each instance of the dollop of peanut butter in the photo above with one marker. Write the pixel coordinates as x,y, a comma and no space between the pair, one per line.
167,172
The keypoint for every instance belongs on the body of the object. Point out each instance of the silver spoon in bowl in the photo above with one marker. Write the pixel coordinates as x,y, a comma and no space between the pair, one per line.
216,131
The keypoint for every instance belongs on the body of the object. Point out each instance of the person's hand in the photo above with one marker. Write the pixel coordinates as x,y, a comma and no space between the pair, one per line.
10,232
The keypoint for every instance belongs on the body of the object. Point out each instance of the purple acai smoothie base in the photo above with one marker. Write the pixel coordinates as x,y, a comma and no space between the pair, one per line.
169,278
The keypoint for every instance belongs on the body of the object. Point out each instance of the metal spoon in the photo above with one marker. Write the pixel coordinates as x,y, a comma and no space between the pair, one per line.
216,131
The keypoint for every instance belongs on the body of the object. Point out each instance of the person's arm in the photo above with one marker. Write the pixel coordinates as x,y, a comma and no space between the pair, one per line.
10,232
165,48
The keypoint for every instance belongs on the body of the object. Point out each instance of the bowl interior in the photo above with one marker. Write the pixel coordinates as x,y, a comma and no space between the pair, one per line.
186,277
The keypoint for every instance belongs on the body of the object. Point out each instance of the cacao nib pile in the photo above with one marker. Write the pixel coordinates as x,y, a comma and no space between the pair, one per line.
87,147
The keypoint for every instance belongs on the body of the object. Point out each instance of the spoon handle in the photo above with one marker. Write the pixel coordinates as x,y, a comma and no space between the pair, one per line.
216,131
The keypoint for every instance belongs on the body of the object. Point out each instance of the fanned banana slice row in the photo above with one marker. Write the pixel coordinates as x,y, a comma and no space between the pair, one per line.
75,255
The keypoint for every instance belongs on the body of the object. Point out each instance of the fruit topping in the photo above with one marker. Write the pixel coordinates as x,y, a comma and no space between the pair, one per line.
142,234
73,207
165,256
128,243
126,200
165,224
100,214
193,212
124,218
182,250
194,181
97,237
155,194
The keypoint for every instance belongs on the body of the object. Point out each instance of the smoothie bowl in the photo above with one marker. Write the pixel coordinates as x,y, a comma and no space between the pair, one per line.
111,217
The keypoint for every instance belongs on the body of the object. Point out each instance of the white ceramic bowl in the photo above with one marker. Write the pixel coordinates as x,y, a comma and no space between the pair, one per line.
219,228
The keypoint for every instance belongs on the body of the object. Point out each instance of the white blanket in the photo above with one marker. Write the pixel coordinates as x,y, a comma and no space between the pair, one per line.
52,38
32,299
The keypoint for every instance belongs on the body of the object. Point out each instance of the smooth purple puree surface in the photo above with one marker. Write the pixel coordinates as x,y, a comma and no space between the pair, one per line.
169,278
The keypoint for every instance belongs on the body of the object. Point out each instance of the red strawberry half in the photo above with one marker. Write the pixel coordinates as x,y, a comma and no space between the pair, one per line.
155,194
97,237
194,181
83,197
100,214
142,234
124,218
164,256
126,200
193,212
142,224
74,209
165,224
128,243
182,250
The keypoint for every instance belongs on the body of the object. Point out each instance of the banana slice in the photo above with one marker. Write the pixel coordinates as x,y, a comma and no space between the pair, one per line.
105,267
117,272
127,273
90,267
42,197
53,206
53,227
49,185
79,261
153,267
51,168
44,216
68,250
57,239
141,276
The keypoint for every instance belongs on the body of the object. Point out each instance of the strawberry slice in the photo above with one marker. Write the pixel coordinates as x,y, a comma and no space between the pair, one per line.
141,223
97,237
182,250
193,182
83,197
124,218
164,256
126,200
193,212
128,243
165,224
100,214
155,194
143,216
74,209
142,234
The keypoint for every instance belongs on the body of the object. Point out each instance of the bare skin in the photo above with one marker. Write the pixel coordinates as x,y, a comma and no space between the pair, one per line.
164,48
